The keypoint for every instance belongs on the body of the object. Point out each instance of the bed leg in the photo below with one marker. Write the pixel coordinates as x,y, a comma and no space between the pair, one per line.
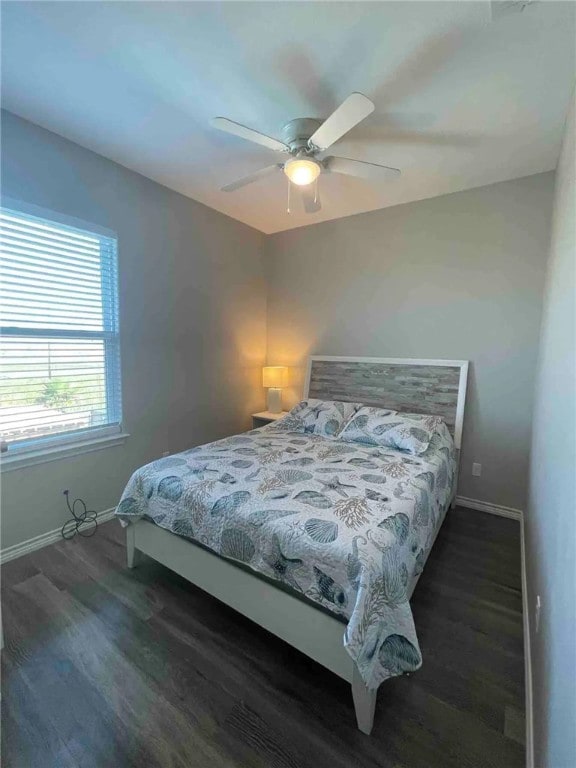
364,702
132,554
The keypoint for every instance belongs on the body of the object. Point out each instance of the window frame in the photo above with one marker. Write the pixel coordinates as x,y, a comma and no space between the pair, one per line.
70,443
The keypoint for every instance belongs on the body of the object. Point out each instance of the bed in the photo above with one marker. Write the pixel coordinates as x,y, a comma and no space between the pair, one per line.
318,538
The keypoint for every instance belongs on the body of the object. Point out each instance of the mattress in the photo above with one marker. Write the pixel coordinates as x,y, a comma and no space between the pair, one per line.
344,525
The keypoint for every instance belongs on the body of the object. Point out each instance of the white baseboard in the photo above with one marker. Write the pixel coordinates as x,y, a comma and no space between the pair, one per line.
527,655
31,545
492,509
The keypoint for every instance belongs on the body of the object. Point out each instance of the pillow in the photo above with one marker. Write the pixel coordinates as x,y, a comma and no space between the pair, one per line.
411,432
318,417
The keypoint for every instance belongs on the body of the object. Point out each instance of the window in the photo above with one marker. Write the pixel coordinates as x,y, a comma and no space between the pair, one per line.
59,342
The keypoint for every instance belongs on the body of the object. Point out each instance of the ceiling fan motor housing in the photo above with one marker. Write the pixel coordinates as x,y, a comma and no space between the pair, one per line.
297,132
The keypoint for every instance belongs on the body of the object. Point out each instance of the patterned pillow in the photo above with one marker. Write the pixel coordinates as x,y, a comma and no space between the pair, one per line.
318,417
411,432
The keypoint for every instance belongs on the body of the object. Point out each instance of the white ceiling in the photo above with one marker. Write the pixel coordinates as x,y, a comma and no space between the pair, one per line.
464,97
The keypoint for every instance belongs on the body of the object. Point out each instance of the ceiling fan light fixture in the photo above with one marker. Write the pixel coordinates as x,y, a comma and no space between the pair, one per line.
302,171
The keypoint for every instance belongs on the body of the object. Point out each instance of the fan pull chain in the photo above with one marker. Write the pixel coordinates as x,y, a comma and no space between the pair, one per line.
316,191
288,206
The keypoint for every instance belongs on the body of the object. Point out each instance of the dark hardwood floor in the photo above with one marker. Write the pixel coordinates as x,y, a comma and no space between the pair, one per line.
110,668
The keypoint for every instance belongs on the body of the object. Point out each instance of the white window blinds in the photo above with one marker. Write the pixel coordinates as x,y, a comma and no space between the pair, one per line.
59,343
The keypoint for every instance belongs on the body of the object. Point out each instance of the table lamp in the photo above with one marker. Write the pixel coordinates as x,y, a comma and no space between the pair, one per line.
274,377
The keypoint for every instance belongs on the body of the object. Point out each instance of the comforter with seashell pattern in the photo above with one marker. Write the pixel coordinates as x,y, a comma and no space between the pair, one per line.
346,525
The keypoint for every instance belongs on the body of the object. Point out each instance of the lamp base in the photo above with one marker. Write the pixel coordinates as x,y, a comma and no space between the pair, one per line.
275,400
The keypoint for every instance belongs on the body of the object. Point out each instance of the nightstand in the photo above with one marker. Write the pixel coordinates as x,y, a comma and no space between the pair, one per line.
265,417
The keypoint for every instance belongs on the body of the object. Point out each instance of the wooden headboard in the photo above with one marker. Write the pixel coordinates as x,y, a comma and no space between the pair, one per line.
436,387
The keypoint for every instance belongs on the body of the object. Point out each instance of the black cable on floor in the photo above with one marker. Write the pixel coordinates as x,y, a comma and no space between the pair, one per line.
83,521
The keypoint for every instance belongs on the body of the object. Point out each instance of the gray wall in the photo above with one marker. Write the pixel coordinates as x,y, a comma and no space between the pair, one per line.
193,319
551,516
459,276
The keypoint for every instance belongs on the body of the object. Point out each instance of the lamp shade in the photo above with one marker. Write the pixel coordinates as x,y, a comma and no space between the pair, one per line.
274,376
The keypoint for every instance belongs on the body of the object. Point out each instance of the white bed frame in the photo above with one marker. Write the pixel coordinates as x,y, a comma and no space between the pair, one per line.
311,631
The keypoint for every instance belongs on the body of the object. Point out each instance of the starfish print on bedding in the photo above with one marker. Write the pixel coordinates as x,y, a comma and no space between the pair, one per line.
334,484
202,471
294,527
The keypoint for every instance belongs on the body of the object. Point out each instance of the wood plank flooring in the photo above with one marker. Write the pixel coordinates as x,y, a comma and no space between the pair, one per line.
110,668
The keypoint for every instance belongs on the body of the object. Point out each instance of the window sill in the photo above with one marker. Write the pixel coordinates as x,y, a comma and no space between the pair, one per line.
54,453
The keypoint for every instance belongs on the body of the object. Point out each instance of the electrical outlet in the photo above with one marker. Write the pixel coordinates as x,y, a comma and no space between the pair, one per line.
537,613
476,469
165,453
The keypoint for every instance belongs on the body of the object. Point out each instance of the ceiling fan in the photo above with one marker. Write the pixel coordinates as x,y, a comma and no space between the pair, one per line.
305,140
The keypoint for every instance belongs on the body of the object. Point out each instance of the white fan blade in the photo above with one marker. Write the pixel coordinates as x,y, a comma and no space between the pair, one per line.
352,111
249,179
311,199
229,126
369,171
